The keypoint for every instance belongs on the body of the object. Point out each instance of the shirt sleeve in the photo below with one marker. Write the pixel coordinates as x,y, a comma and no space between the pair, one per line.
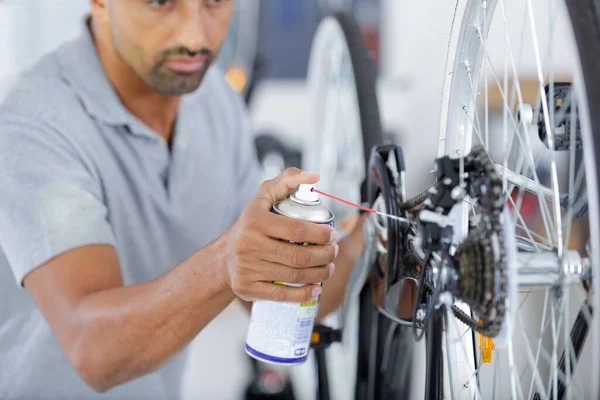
50,201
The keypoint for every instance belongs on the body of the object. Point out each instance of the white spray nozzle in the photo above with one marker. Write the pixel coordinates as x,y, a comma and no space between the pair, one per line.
305,193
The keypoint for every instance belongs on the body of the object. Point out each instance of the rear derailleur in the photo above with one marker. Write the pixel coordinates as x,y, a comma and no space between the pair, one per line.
418,258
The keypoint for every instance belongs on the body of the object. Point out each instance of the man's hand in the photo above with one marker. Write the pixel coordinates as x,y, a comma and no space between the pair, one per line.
254,256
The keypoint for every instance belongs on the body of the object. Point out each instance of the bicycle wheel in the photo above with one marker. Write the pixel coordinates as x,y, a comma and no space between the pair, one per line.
518,283
345,127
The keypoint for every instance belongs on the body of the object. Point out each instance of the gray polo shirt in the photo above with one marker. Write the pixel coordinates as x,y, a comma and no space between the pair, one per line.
76,168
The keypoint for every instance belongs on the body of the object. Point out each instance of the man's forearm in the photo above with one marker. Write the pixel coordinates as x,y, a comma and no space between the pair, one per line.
351,247
127,332
335,287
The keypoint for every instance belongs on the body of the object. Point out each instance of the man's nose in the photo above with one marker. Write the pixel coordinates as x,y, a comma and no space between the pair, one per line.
193,26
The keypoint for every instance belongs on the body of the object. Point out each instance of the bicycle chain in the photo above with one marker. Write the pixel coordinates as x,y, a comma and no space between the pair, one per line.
478,258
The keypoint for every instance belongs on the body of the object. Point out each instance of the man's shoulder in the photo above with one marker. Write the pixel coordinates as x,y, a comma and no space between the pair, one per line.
42,96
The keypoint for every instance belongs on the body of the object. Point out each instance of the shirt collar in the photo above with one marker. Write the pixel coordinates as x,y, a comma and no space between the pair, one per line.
82,69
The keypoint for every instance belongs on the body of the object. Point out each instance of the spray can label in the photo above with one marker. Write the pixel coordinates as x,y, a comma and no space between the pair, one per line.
279,332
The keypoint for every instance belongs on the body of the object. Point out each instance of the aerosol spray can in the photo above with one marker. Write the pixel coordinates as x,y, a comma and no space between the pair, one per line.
279,332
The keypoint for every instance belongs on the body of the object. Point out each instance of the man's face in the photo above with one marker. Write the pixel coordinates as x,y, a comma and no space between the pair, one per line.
169,44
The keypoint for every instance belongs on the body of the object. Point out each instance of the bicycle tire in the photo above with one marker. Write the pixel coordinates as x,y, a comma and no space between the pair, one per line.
366,83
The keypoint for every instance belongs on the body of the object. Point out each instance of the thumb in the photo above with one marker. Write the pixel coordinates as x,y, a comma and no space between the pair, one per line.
278,188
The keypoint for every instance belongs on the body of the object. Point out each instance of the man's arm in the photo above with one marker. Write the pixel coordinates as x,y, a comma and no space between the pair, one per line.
112,334
350,249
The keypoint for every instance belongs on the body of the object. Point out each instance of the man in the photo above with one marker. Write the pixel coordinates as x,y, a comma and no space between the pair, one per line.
122,178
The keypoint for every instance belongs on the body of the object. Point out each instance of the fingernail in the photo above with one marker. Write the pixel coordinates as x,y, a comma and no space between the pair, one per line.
331,269
317,291
337,249
334,236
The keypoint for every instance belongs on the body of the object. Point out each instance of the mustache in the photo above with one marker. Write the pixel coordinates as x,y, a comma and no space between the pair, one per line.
184,51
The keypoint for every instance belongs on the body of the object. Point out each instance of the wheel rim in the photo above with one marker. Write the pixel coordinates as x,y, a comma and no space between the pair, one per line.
463,124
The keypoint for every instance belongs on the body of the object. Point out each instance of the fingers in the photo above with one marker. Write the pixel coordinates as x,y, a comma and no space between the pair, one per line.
284,293
249,281
299,257
277,189
294,230
290,254
271,272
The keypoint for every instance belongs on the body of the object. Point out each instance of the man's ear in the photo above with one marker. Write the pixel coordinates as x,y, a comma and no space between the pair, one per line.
100,10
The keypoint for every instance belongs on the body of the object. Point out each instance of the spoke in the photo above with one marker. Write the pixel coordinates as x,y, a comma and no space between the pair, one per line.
463,335
528,148
571,192
466,109
548,61
567,343
524,225
582,200
505,148
543,352
514,382
486,91
452,317
550,135
538,245
580,176
586,314
525,299
576,378
519,204
562,321
553,365
520,52
496,375
522,37
474,96
536,376
449,356
521,181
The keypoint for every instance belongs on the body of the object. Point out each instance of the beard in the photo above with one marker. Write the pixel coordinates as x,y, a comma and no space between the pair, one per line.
174,83
159,78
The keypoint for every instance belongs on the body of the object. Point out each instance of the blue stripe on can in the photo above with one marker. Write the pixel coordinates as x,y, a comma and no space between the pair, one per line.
279,360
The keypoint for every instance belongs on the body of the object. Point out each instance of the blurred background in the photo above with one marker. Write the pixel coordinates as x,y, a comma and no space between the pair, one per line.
266,60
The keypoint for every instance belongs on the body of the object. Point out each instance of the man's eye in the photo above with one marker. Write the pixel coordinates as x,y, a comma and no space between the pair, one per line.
215,3
159,3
